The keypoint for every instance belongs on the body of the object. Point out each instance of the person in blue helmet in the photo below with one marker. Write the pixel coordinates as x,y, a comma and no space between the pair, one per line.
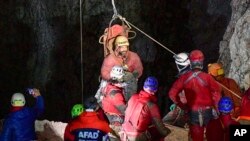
218,129
19,125
142,116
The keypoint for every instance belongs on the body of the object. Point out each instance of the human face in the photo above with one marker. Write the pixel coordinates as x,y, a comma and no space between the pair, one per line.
121,51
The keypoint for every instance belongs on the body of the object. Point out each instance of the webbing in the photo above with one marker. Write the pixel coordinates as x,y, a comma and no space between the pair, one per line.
116,15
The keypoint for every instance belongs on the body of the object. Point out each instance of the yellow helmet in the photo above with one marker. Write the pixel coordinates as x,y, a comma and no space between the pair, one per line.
121,41
215,69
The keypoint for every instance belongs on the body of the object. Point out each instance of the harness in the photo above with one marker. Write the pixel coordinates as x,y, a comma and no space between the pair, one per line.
196,75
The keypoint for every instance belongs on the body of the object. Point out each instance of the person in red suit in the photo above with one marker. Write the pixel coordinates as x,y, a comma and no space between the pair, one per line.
202,94
88,125
113,102
244,117
218,129
142,116
230,87
130,62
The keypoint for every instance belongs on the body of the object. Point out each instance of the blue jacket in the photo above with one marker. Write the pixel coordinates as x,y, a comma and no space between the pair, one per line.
20,125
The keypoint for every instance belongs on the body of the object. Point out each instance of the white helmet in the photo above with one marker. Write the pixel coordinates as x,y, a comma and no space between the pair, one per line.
17,100
182,59
117,73
182,62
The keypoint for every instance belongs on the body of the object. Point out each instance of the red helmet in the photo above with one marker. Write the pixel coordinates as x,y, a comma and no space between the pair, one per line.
196,55
196,58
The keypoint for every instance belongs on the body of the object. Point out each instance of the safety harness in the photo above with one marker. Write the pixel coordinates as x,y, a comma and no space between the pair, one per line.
196,75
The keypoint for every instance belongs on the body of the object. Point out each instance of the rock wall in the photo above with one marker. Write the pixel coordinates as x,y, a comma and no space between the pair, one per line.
235,46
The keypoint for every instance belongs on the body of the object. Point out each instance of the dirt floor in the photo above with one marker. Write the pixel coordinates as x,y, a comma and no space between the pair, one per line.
54,131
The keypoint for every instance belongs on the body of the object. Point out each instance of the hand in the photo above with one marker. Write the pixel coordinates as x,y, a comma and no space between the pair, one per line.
36,93
135,73
128,76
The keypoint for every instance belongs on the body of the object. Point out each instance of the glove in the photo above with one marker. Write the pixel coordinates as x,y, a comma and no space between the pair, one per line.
135,73
215,114
172,107
128,76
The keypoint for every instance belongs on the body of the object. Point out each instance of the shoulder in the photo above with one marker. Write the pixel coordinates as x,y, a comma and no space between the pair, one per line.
133,54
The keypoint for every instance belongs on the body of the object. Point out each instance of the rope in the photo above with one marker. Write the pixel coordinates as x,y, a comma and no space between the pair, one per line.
229,90
116,15
81,50
147,35
114,8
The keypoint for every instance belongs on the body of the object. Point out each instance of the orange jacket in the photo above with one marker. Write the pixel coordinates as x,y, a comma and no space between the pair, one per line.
233,86
200,91
87,126
133,63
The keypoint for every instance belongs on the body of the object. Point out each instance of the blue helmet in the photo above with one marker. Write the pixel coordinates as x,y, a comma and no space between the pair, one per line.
225,105
151,84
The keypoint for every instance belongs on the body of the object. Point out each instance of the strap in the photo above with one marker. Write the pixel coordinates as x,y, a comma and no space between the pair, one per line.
195,75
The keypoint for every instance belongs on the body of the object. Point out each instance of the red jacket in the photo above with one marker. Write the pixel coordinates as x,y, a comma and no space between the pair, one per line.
88,123
133,63
245,112
141,112
218,129
113,101
200,91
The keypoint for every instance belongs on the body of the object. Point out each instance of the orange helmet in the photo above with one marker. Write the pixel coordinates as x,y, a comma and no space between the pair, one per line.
215,69
196,58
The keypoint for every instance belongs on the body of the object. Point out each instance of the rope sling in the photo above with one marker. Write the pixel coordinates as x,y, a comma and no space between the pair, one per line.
129,25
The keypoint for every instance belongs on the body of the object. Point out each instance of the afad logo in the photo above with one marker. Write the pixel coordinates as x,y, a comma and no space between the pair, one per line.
90,135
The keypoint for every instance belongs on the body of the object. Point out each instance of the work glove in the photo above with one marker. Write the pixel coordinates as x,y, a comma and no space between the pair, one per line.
135,73
128,76
172,107
215,113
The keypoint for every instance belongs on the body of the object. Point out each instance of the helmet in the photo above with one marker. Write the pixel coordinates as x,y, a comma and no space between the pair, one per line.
121,41
151,84
225,105
76,110
182,61
196,58
17,100
117,73
91,104
215,69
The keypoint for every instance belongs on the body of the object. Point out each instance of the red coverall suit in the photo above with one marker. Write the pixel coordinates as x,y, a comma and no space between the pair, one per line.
88,126
202,93
133,63
218,129
244,117
114,105
141,113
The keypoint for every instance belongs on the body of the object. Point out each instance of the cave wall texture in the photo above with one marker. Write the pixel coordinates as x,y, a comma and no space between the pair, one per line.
40,44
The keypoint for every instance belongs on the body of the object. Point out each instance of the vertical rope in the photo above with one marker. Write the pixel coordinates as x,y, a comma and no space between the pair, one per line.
114,9
81,51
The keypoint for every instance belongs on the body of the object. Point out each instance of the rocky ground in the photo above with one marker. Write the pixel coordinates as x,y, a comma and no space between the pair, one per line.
53,131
